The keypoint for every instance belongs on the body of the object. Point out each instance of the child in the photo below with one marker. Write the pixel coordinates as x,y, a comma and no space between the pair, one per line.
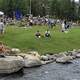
38,35
47,33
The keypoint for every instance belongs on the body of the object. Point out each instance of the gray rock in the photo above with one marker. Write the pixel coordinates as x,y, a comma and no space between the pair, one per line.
65,59
34,53
15,51
74,54
11,64
44,58
32,61
60,55
78,50
78,55
46,62
51,57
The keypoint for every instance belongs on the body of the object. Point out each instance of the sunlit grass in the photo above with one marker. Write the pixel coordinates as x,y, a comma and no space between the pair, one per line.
25,39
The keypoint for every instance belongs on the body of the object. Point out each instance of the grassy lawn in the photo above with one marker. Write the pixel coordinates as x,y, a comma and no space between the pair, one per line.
25,39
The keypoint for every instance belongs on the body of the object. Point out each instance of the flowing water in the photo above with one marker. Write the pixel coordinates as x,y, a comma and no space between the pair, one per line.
53,71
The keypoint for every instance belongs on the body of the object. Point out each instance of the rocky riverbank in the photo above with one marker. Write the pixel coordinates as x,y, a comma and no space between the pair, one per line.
52,71
63,66
15,60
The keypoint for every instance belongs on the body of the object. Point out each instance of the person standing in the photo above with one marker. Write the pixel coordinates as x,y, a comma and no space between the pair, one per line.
63,26
2,27
49,23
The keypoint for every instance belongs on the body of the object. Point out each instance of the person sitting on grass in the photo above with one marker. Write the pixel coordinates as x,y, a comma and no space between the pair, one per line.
38,35
47,34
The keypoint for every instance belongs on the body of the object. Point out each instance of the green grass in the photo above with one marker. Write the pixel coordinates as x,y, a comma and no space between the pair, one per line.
26,41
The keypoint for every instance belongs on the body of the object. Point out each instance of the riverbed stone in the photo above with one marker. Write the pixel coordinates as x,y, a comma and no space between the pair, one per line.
15,51
46,62
11,64
34,53
78,55
51,57
32,61
65,59
44,58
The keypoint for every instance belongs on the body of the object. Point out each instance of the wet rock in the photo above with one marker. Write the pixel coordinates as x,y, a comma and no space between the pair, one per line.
2,56
11,64
46,62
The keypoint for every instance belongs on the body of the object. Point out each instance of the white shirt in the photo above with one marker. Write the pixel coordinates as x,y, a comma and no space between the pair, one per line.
1,25
63,26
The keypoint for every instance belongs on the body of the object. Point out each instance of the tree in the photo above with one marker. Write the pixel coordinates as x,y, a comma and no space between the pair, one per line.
40,8
57,8
54,8
9,6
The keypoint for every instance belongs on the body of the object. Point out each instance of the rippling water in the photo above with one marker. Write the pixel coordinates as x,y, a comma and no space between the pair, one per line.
51,71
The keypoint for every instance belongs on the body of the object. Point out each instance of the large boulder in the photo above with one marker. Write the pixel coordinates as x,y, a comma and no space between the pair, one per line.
11,64
32,61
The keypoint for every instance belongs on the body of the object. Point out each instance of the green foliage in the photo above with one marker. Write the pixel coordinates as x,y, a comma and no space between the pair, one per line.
57,8
63,9
9,6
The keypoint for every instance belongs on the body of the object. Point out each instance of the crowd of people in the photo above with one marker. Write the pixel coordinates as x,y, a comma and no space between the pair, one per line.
30,21
41,21
50,22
